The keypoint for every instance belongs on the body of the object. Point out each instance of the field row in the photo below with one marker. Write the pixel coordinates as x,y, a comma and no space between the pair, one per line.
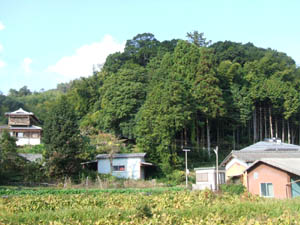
169,207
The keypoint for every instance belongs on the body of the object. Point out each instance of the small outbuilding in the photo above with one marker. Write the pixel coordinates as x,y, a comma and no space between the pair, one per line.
129,165
274,177
206,178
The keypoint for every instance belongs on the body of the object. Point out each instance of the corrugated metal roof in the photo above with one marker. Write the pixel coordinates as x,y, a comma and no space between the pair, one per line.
271,146
122,155
289,165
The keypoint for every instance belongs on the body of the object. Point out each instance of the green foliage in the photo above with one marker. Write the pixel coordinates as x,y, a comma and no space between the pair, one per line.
162,96
62,140
177,177
233,188
36,149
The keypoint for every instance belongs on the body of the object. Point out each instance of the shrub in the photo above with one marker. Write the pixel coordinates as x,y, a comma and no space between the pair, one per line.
233,188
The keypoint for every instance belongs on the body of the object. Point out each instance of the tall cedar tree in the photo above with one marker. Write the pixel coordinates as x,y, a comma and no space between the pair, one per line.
9,159
62,140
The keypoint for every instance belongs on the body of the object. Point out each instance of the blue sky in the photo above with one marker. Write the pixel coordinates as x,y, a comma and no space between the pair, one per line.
43,43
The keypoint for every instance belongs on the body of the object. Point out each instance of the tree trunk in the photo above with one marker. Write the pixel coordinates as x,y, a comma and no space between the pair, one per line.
276,127
198,135
282,131
265,122
208,137
260,124
238,138
185,136
203,136
249,130
181,138
218,133
254,125
233,139
289,132
270,121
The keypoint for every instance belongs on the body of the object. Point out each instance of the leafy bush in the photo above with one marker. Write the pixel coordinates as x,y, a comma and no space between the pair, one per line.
233,188
35,149
175,178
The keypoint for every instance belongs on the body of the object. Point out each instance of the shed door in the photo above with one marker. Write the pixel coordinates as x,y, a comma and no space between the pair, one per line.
295,186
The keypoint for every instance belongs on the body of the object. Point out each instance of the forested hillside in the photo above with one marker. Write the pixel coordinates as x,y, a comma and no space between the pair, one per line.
162,96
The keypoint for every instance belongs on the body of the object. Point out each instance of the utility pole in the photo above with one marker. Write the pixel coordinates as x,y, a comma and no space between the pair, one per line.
186,167
217,168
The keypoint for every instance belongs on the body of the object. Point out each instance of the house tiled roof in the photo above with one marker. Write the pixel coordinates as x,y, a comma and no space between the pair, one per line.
122,155
20,111
289,165
4,127
25,128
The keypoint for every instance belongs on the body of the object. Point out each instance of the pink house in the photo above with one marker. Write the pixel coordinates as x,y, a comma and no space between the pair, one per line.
274,177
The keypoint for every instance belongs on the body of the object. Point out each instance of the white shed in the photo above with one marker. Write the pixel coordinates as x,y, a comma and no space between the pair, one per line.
129,165
206,178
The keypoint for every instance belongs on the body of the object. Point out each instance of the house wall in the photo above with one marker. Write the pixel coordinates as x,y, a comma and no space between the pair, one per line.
132,167
28,141
236,167
269,174
19,120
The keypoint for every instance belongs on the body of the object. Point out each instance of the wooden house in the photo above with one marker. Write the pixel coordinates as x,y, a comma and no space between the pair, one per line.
21,124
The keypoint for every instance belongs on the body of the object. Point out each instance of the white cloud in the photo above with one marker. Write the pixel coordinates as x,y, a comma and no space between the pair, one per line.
1,26
2,64
26,65
81,63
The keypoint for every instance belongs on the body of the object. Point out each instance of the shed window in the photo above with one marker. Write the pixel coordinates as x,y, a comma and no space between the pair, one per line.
222,178
266,190
119,168
201,177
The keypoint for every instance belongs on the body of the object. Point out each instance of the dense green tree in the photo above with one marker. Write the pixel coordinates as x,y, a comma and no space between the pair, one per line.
9,160
198,39
122,94
62,139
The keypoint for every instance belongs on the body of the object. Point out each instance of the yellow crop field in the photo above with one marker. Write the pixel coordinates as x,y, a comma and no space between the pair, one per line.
168,207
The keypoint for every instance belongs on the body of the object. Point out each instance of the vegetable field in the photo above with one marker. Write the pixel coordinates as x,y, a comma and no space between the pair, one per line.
144,207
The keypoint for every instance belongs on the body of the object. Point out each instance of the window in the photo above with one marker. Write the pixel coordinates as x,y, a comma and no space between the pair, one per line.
266,190
255,175
20,135
35,135
221,178
119,168
201,177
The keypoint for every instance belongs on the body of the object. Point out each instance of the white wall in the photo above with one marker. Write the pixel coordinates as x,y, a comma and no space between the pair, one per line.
211,181
132,167
28,141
